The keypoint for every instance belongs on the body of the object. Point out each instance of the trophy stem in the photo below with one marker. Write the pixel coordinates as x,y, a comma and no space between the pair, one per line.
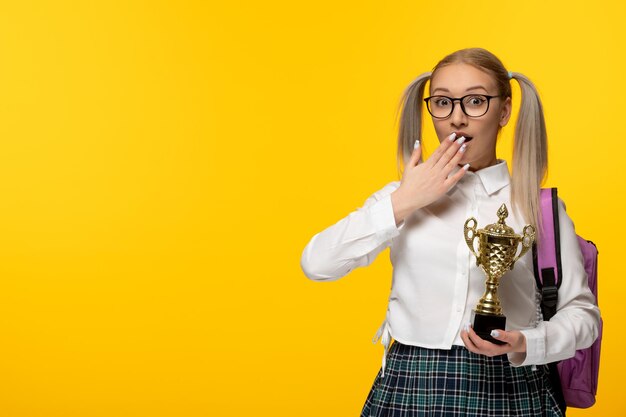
489,302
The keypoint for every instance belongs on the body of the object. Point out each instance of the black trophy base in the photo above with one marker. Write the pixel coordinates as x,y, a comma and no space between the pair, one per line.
485,323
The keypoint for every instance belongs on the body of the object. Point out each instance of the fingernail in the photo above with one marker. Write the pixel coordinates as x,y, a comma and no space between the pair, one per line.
417,143
466,327
460,140
495,333
452,136
466,166
462,148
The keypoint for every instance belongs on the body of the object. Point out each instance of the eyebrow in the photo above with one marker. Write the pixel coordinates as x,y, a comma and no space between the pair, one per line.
476,87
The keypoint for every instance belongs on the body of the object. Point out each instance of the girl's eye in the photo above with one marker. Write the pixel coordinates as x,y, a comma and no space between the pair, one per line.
442,102
475,101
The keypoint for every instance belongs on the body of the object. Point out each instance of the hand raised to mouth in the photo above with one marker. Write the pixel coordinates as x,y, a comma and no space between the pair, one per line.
423,183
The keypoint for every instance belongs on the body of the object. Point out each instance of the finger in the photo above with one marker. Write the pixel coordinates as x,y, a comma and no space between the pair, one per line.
443,146
475,339
449,154
501,335
454,161
485,347
468,343
515,339
417,153
450,181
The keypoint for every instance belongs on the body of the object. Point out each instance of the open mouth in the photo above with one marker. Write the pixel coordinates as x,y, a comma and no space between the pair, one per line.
467,137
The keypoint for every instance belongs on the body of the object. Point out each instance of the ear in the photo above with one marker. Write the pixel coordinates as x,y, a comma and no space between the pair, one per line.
505,114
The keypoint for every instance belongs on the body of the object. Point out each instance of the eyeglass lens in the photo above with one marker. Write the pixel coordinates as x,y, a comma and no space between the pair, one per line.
474,105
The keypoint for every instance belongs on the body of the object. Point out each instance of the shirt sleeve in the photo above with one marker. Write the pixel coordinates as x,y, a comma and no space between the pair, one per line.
577,320
354,241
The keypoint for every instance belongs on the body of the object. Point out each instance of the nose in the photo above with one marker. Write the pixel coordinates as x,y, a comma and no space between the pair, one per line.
458,117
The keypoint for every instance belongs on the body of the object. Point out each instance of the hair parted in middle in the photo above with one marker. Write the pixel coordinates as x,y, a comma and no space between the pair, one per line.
530,153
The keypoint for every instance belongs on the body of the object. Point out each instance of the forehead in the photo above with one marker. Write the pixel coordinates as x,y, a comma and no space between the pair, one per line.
458,78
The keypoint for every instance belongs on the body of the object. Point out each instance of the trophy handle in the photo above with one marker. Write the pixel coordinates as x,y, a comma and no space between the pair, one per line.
527,242
469,232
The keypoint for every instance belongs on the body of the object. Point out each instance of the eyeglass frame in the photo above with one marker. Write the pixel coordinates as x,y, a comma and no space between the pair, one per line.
460,100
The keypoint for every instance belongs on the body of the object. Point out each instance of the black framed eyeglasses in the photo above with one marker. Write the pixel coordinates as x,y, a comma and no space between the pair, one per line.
473,105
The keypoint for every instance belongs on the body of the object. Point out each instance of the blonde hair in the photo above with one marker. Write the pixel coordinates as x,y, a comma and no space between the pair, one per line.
530,153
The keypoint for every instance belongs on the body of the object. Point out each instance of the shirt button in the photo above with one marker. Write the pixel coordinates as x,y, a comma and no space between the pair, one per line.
458,309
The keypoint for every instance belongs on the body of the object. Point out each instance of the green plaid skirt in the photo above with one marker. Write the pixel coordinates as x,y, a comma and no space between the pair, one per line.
422,382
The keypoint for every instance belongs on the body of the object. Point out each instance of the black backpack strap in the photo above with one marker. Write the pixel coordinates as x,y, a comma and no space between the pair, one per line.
548,281
555,380
549,294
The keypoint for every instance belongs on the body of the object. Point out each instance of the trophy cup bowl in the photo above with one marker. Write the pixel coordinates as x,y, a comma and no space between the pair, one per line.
495,254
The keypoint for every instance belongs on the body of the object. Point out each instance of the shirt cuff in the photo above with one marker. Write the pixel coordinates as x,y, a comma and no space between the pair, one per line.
535,349
383,218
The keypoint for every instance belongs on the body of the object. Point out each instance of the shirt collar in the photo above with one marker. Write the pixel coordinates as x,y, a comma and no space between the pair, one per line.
494,177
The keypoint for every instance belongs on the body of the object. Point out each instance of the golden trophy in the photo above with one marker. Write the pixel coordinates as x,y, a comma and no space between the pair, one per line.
497,246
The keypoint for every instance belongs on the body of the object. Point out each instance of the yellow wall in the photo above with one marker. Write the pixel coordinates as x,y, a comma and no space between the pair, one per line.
163,164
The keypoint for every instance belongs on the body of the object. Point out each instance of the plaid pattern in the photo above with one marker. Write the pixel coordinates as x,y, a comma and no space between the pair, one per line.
421,382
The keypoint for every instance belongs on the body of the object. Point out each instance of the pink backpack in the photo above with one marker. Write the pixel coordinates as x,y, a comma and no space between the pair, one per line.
577,376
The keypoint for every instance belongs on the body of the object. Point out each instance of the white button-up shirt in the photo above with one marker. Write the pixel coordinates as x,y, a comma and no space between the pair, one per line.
436,282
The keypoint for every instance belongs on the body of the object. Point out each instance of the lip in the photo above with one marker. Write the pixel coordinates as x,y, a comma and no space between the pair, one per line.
467,137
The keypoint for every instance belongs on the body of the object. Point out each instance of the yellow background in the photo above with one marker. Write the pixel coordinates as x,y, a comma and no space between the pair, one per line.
163,165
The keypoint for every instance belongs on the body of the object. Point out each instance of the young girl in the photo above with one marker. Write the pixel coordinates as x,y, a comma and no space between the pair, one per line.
437,365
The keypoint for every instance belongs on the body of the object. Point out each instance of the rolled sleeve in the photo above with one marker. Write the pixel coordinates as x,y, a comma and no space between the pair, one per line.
535,349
